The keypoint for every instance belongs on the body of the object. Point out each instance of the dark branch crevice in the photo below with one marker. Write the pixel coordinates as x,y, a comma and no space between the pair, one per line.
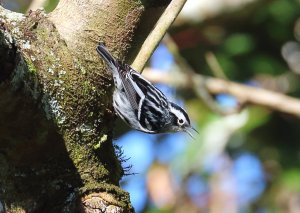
8,52
155,3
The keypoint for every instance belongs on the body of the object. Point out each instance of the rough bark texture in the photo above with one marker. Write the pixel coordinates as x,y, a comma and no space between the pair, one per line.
56,120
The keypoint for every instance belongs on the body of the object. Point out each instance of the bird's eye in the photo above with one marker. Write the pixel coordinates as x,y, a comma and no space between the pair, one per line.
180,121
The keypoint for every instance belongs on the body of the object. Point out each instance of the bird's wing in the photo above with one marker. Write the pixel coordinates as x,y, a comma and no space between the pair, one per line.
141,93
134,93
154,96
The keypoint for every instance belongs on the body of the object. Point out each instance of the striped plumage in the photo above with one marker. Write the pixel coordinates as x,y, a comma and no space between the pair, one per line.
140,104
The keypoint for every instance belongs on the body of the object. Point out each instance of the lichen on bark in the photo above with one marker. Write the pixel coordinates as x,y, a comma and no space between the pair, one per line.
51,101
56,120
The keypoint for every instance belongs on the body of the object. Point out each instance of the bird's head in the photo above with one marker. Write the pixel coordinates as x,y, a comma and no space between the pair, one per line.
180,119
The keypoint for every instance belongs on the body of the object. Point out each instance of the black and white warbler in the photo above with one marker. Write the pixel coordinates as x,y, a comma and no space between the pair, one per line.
140,104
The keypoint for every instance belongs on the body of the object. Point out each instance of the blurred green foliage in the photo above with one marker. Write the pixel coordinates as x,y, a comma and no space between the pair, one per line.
248,46
50,5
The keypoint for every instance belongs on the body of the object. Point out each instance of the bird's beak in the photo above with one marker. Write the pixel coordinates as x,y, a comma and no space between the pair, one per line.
189,132
194,129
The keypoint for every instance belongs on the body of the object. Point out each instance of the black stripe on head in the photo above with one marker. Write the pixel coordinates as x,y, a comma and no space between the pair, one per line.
175,106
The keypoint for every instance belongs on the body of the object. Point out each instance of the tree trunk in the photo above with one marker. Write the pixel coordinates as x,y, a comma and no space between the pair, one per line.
56,120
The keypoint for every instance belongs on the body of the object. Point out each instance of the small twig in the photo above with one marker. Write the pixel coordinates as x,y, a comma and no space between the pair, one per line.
254,95
173,48
218,72
215,66
157,33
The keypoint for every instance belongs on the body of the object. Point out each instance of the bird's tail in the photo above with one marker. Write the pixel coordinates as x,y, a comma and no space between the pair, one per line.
105,54
112,63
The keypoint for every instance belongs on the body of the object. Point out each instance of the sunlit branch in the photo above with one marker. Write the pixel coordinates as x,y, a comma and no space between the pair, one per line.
157,33
246,94
214,65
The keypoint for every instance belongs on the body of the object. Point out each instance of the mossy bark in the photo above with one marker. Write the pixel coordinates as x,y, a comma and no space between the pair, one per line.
56,115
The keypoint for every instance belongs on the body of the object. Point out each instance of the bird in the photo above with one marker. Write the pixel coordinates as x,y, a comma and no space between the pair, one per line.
139,103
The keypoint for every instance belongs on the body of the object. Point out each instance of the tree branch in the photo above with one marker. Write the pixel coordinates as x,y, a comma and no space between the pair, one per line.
57,95
245,94
157,34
